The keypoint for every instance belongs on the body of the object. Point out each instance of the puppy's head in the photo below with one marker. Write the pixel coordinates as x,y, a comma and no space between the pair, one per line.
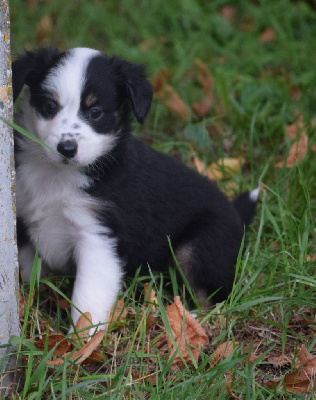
78,101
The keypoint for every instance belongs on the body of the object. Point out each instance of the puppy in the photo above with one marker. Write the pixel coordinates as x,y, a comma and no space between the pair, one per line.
98,199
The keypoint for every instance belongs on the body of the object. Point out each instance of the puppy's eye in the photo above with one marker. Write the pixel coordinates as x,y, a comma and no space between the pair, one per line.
50,108
95,113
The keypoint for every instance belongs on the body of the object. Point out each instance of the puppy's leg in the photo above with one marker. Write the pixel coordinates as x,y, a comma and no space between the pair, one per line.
207,258
98,278
26,255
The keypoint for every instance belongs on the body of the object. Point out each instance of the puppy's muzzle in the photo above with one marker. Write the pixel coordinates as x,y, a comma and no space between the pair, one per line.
67,148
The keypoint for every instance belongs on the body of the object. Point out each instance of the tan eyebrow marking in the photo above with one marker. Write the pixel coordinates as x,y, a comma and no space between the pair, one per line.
90,99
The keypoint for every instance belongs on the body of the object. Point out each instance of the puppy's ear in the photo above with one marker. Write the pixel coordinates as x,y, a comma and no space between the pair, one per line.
138,88
30,67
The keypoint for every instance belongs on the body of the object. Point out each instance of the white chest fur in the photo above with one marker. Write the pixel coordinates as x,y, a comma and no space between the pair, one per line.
60,219
52,203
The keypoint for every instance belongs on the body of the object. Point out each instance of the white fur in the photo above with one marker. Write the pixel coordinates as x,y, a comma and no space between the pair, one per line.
61,222
254,195
50,200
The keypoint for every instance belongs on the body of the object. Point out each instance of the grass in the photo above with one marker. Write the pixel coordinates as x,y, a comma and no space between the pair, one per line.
260,88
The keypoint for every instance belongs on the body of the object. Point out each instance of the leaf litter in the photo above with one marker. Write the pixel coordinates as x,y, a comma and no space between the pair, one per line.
188,340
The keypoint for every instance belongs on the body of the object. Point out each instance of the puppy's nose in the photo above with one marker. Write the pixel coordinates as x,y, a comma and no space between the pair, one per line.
67,148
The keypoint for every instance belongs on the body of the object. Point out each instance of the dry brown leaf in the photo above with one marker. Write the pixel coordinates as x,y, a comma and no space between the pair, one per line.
82,327
119,313
216,171
295,92
64,304
25,300
175,104
223,351
253,357
297,152
230,392
304,356
152,300
202,107
186,331
62,347
145,378
248,24
150,297
293,130
167,94
204,77
95,357
303,379
228,13
44,28
311,257
280,360
267,36
82,354
149,43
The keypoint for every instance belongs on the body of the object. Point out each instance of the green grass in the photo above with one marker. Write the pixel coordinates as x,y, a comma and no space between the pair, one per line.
253,86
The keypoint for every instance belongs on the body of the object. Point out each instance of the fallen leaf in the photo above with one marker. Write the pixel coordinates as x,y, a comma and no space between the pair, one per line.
62,347
151,298
144,378
44,28
204,77
248,24
228,13
149,43
297,152
95,357
304,356
175,104
203,169
280,360
24,300
230,392
267,36
83,327
82,354
221,170
293,130
295,92
119,314
303,379
186,331
223,351
170,98
202,107
64,304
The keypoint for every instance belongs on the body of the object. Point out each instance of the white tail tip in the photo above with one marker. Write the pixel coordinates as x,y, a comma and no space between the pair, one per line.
254,195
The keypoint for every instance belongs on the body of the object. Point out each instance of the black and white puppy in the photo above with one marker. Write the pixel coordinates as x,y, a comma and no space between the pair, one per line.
99,199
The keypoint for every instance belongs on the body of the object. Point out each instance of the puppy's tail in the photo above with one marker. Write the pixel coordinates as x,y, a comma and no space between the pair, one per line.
246,204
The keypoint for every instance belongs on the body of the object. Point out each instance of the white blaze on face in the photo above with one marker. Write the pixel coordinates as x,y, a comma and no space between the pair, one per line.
65,84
